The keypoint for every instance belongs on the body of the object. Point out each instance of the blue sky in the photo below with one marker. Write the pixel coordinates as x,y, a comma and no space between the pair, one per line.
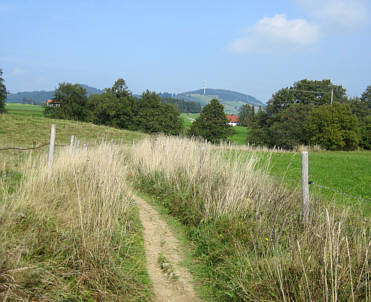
254,47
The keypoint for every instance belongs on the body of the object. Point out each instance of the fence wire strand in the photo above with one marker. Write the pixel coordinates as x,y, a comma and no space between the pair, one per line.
311,182
30,148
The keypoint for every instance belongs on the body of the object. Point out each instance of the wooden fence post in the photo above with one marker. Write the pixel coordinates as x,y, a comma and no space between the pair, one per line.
72,143
51,149
305,186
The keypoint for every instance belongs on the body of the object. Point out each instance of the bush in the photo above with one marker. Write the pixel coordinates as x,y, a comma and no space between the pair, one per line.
333,127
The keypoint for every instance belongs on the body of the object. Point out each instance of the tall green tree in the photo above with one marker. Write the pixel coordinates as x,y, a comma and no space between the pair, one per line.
246,115
333,127
119,89
366,96
306,92
152,116
361,108
3,93
212,124
114,107
73,103
287,130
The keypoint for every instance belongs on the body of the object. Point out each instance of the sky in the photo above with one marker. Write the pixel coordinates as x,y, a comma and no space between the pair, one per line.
253,47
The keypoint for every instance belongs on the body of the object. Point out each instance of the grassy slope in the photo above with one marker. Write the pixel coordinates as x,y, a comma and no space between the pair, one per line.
25,125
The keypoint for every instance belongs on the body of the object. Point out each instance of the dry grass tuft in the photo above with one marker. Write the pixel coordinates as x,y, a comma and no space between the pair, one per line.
73,235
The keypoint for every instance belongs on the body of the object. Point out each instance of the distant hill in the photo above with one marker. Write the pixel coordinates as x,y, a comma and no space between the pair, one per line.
36,97
231,100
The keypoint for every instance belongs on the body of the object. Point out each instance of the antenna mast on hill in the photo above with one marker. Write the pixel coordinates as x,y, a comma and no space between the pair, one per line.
204,87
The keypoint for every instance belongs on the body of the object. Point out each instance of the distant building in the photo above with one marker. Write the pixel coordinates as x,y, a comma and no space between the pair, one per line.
232,119
53,103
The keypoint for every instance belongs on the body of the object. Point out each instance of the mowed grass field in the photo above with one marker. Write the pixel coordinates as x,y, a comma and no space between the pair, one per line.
343,178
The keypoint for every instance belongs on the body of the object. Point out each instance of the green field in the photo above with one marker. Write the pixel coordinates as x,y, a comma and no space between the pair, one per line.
341,177
25,110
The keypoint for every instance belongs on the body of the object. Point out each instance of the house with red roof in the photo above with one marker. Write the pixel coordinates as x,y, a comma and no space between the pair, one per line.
232,119
53,103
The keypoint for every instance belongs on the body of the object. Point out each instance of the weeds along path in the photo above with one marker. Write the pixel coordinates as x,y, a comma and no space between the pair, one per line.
171,282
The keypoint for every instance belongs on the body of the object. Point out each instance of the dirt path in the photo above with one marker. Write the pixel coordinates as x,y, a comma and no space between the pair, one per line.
171,282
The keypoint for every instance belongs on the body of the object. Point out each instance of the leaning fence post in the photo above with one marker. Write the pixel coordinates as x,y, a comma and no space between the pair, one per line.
305,186
51,149
72,143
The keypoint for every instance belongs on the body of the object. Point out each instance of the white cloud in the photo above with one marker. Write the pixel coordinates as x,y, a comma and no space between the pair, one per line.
277,33
344,13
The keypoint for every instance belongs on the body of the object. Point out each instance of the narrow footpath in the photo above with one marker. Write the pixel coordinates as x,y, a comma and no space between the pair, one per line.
171,282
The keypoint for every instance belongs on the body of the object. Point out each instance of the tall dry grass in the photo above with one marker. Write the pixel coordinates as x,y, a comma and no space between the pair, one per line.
247,228
73,235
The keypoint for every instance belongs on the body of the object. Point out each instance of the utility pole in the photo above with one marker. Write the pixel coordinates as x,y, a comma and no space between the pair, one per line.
332,95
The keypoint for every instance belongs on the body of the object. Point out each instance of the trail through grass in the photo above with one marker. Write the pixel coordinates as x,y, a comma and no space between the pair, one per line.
249,242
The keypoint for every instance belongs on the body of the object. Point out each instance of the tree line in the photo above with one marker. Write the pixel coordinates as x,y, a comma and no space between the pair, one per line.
311,113
116,107
3,93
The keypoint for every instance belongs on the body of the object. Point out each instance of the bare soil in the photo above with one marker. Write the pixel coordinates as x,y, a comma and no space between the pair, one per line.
160,242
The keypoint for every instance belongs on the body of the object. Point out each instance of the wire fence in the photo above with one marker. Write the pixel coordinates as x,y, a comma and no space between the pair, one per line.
29,148
280,178
314,184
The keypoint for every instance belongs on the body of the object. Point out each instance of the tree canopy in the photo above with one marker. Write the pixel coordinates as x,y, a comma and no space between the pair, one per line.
3,93
333,127
246,115
116,107
366,96
302,114
307,92
72,99
212,124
